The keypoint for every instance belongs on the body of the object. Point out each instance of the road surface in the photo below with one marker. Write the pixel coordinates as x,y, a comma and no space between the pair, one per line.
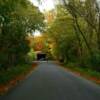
51,82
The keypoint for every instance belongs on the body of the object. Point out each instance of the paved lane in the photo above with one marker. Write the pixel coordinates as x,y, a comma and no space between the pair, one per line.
51,82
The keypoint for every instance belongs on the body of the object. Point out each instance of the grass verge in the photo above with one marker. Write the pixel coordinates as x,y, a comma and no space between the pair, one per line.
84,72
12,76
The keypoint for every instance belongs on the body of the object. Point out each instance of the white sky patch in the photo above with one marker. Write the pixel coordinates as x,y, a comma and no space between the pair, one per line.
45,6
37,33
35,2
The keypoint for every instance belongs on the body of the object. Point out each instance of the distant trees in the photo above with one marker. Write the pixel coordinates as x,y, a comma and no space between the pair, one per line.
76,31
61,33
17,19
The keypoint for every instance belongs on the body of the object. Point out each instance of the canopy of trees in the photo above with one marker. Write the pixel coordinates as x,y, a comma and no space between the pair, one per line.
18,18
75,32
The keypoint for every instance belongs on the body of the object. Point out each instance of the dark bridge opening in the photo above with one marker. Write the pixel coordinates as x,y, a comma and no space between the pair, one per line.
41,56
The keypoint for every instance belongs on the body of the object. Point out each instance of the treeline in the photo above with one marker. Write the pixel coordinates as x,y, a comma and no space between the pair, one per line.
18,18
75,33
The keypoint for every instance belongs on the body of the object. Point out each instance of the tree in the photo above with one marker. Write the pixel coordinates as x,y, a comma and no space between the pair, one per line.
17,19
79,36
63,37
85,16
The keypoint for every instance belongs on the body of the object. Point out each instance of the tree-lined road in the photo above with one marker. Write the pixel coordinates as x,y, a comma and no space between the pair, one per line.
51,82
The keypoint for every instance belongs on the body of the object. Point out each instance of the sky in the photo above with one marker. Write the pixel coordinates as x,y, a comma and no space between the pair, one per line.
46,5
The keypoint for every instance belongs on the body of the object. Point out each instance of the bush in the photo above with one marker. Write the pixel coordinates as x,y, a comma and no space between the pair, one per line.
31,55
11,73
95,62
91,62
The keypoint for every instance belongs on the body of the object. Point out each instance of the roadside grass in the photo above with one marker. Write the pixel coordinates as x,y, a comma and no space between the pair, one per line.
85,72
13,75
6,76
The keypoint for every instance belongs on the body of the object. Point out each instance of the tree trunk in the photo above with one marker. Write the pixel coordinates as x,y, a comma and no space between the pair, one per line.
98,34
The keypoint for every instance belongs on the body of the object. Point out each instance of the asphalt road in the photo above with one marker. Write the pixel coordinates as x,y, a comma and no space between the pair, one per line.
51,82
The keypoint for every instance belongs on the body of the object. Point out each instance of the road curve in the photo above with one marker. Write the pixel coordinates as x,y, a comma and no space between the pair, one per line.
51,82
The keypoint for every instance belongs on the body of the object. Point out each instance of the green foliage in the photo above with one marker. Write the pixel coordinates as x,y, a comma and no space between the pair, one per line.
31,55
75,32
95,62
17,20
83,70
11,73
63,37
